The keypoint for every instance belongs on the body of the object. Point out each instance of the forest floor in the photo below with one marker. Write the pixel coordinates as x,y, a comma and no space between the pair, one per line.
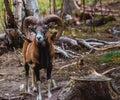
12,75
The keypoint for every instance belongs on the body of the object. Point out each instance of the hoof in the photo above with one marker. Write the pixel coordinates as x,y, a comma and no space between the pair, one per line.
34,89
27,90
39,97
49,95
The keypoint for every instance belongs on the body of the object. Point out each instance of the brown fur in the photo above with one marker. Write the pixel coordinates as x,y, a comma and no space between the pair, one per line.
30,50
39,50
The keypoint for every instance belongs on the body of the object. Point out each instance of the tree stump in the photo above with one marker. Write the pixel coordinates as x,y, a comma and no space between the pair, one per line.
92,87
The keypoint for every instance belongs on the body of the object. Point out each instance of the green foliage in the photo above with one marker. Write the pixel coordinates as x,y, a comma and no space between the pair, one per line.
44,5
87,1
58,3
1,7
113,56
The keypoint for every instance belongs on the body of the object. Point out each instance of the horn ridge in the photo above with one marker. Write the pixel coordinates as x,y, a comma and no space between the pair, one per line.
30,20
57,20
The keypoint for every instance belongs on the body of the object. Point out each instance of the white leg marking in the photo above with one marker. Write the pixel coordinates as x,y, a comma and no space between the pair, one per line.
33,82
39,96
27,88
54,83
49,87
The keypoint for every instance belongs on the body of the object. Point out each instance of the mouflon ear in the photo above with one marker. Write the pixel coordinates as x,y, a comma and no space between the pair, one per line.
53,36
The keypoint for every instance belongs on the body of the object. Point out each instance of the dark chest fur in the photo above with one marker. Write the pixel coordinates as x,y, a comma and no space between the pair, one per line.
44,55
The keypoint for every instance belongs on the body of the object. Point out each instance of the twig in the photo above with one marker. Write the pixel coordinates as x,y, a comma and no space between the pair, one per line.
2,74
17,98
2,80
107,47
74,63
30,94
96,40
53,89
109,70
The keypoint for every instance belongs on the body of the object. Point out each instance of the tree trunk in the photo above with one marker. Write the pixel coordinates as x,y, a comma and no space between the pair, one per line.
32,7
18,11
11,20
68,7
14,23
54,6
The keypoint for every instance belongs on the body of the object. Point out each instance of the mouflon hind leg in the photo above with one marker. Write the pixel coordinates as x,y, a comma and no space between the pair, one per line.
49,69
54,83
27,88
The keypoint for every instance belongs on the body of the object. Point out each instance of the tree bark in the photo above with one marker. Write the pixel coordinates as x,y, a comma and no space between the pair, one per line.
11,20
86,91
32,7
68,7
18,11
54,6
93,86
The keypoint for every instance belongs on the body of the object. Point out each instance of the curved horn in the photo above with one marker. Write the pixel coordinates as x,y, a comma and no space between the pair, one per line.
57,20
31,20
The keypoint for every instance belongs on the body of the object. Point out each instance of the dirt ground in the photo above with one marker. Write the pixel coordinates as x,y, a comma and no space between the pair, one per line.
12,75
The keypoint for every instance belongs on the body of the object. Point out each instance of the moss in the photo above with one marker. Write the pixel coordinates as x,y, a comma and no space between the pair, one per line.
113,56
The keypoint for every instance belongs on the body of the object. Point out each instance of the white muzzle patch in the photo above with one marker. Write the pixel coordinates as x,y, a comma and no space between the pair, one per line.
39,36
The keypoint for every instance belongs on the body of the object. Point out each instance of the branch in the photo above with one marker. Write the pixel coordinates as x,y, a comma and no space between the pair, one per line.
2,74
2,80
93,45
74,63
96,40
61,51
68,41
78,63
83,42
107,47
109,70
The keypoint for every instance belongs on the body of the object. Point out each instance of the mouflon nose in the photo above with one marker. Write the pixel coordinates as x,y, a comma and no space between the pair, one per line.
38,38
